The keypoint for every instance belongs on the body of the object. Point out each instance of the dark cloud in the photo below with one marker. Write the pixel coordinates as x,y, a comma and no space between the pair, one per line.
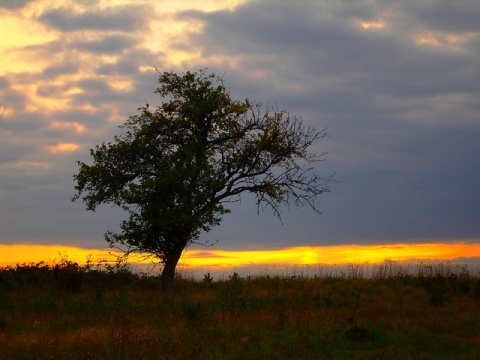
122,18
20,125
88,118
99,93
14,4
63,69
9,96
326,45
3,82
50,90
12,151
401,115
106,69
449,17
93,85
87,2
109,45
122,67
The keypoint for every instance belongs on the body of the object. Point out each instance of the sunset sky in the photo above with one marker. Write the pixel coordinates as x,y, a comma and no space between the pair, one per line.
396,83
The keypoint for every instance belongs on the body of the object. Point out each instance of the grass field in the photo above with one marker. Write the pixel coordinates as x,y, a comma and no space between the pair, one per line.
72,312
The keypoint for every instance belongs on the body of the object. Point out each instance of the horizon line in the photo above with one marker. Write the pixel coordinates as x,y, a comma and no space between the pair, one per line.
27,253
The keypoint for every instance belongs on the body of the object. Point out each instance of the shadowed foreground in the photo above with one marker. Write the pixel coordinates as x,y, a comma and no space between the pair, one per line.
68,312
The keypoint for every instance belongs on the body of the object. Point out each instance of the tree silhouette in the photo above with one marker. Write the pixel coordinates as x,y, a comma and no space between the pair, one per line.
174,169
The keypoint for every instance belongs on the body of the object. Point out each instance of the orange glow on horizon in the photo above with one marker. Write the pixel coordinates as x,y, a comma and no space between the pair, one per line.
220,259
13,254
330,255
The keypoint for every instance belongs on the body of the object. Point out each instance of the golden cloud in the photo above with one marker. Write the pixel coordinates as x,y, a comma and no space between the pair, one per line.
372,24
75,126
63,147
453,42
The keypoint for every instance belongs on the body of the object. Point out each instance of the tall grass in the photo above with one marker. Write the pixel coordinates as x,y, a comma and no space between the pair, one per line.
363,311
386,269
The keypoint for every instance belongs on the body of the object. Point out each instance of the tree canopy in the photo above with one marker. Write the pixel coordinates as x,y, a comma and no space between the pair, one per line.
175,168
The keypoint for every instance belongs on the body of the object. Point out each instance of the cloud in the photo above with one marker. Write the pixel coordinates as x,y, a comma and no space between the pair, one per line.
114,44
458,18
319,58
25,165
11,98
61,69
328,43
99,93
63,147
401,114
3,82
87,2
128,18
14,4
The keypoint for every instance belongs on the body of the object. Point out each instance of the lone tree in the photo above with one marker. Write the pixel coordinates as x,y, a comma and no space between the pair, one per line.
174,168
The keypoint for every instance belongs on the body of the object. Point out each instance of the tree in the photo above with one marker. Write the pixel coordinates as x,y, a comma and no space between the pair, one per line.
174,169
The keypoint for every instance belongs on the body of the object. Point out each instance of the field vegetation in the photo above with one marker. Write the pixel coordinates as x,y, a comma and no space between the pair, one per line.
66,311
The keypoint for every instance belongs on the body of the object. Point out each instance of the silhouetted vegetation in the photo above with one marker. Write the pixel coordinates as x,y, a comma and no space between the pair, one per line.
67,311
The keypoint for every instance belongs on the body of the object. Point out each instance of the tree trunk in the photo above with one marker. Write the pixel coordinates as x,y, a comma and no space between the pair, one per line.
168,273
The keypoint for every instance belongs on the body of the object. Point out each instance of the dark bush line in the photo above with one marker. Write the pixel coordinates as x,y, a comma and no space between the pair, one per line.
69,276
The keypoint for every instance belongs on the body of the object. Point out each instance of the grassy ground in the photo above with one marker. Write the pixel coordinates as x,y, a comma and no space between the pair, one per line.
78,313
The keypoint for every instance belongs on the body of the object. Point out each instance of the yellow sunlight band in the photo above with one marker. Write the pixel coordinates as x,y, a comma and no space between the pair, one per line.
24,253
218,259
337,254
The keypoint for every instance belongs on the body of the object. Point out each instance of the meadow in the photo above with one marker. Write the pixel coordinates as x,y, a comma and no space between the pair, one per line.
66,311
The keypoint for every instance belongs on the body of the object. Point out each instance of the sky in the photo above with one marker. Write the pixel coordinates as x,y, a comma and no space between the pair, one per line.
396,83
